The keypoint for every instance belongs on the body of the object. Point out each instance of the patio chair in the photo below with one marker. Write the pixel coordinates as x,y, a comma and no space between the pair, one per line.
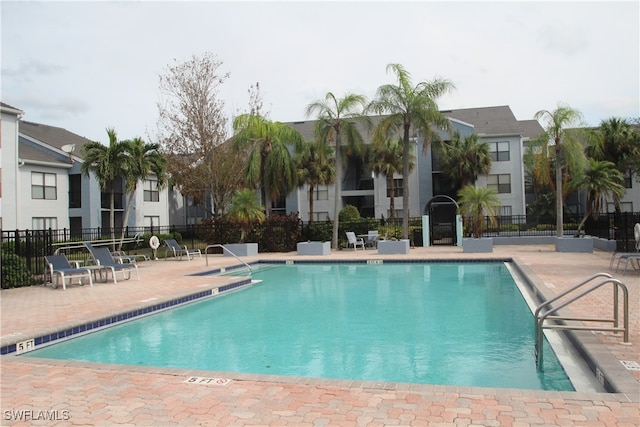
105,261
59,265
372,239
352,240
172,246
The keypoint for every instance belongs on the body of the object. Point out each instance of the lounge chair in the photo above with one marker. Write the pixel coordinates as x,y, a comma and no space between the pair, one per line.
172,246
352,240
372,239
105,261
59,265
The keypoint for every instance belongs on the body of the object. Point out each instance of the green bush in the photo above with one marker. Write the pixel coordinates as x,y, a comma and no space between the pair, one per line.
349,213
15,272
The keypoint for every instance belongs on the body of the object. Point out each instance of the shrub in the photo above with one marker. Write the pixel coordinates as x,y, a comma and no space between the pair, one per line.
15,272
349,213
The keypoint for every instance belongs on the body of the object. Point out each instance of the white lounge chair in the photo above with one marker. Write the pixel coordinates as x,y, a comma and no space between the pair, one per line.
372,239
352,240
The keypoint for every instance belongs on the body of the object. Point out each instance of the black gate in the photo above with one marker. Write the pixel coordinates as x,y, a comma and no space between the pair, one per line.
442,221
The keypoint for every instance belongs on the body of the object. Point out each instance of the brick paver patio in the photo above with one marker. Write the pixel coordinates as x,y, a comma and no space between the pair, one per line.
65,393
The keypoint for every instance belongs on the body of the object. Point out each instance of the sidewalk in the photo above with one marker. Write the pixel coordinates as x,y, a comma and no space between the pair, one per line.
64,393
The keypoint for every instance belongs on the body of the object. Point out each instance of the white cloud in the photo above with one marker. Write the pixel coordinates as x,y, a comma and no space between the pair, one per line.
89,65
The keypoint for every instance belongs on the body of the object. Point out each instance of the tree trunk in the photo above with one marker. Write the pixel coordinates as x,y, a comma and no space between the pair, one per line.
126,218
405,182
392,192
336,207
311,188
559,214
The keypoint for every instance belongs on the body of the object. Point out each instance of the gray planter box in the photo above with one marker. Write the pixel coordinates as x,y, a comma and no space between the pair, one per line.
314,248
393,246
574,244
241,249
476,246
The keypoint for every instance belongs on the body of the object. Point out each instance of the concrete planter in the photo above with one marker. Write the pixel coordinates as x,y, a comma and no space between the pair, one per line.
241,249
574,244
476,246
314,248
393,246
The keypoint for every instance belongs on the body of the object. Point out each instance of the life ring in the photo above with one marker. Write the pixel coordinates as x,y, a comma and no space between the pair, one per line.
636,232
154,242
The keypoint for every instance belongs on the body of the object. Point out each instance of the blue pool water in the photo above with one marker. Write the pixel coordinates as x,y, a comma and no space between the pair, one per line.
431,323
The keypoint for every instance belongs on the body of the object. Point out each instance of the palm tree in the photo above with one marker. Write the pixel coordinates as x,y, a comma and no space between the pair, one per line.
144,160
600,179
475,203
245,210
316,166
569,153
270,164
107,163
386,158
464,159
337,124
409,107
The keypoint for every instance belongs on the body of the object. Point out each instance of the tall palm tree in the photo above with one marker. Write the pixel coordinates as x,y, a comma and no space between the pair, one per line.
408,107
316,166
107,163
600,179
337,119
567,148
617,142
386,158
475,203
464,159
270,164
144,160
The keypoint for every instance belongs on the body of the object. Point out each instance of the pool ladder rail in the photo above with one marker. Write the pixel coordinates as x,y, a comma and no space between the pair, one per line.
544,312
217,245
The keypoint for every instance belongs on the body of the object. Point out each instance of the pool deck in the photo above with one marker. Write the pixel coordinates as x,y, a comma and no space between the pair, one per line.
64,393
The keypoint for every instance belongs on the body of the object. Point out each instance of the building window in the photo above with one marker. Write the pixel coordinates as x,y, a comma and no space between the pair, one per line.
321,216
44,223
151,223
43,186
501,183
397,191
321,193
75,191
627,180
505,211
499,151
151,192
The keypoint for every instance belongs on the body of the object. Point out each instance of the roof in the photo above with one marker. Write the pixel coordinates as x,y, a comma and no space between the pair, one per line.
485,120
50,135
497,120
6,108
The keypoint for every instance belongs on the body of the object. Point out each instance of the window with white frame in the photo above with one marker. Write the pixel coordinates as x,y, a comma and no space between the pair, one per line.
397,188
500,182
499,151
321,192
151,192
320,216
44,223
151,222
43,186
505,211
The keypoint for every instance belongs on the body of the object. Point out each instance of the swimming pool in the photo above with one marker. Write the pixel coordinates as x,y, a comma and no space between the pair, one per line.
433,323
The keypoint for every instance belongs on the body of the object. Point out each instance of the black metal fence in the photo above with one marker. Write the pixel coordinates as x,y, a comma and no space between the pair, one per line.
23,251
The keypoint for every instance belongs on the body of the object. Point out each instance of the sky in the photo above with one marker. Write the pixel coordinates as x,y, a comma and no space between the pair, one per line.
92,65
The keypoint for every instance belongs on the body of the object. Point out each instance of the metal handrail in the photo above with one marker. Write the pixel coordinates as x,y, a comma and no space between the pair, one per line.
540,318
104,242
217,245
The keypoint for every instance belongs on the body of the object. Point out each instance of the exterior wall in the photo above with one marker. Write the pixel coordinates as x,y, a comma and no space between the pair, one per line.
9,200
514,167
32,208
141,210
